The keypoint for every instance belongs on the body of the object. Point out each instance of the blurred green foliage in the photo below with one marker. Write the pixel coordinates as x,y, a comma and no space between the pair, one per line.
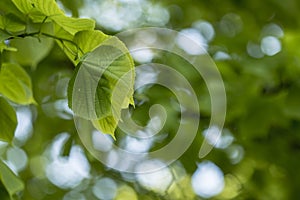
262,88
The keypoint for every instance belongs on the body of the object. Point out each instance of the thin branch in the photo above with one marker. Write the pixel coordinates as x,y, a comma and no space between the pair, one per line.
62,40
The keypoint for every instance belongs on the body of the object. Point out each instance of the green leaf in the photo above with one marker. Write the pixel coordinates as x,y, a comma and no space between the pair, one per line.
89,40
11,23
50,9
15,84
45,7
8,121
7,6
106,125
102,84
68,40
25,6
86,42
73,25
66,44
31,50
11,182
38,11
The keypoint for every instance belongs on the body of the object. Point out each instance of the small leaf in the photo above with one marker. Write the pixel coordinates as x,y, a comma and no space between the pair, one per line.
89,40
86,42
68,43
73,25
30,50
106,125
11,182
15,84
11,23
8,121
103,81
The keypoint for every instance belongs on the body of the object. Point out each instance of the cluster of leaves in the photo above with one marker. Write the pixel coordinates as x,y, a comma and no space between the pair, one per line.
28,29
262,93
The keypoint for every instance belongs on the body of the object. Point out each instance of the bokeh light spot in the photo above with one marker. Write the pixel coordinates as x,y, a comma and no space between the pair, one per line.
208,180
270,45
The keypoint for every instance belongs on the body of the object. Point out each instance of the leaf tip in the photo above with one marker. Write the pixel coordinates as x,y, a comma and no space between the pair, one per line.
113,136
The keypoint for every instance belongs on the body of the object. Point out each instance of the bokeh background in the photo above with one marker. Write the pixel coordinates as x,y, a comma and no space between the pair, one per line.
255,45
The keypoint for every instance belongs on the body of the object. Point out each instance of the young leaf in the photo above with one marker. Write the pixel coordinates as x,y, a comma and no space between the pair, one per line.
65,28
11,23
86,41
103,83
73,25
31,50
8,121
89,40
11,182
15,84
106,125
